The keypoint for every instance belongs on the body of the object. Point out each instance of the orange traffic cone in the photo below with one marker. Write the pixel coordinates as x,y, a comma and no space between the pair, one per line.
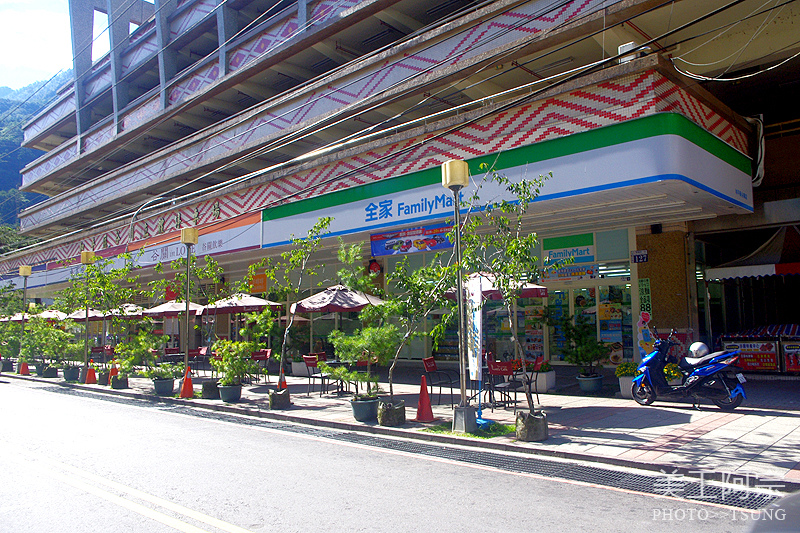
91,377
282,382
424,411
23,369
113,372
187,390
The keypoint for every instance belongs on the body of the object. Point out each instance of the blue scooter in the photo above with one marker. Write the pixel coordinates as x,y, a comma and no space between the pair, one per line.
705,375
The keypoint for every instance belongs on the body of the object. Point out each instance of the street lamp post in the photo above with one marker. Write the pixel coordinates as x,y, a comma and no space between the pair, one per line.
87,258
189,237
24,271
455,176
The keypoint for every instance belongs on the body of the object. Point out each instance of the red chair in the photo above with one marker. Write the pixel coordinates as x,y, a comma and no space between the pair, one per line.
263,356
502,381
314,374
440,378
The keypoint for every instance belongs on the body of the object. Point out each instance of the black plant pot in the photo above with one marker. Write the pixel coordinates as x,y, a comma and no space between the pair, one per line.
72,373
230,393
118,382
164,387
50,372
365,410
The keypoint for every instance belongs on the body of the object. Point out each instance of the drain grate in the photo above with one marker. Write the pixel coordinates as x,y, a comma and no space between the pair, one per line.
660,484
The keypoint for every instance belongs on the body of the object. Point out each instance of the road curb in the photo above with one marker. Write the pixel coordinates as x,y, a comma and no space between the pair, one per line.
451,440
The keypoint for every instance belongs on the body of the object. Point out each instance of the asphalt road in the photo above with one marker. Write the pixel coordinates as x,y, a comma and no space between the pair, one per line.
73,463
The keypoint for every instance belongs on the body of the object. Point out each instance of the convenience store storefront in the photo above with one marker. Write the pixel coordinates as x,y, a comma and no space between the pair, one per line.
657,169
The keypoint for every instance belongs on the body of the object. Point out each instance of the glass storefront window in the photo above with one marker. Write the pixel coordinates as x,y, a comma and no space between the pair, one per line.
615,320
558,306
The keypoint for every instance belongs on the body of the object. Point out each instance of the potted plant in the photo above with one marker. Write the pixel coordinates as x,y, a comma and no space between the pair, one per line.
581,348
233,364
625,372
546,377
163,376
370,345
126,368
673,374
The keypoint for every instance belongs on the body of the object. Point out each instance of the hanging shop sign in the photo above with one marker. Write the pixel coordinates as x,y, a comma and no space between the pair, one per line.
475,328
755,354
423,239
645,302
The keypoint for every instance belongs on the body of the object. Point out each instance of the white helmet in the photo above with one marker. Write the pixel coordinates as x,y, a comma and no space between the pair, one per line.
698,349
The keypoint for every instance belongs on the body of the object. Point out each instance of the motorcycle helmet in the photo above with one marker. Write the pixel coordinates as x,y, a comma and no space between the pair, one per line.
698,349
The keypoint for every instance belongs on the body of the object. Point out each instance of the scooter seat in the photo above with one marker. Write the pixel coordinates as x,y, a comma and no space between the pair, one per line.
699,361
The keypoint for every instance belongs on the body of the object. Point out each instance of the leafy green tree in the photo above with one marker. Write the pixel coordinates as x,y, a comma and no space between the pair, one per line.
495,241
105,285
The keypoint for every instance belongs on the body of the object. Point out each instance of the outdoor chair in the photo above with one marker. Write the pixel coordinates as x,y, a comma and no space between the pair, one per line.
502,382
263,356
314,374
440,378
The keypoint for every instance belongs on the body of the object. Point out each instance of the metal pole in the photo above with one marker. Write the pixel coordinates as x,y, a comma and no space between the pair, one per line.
462,345
86,340
24,304
186,352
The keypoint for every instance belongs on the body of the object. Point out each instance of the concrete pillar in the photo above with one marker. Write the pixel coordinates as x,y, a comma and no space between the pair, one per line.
119,37
81,18
167,65
302,15
227,26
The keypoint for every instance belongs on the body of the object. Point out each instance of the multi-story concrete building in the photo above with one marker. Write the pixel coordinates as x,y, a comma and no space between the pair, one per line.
249,119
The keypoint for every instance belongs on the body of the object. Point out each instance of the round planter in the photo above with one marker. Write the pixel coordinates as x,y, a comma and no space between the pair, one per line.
72,373
625,383
40,369
591,383
164,387
102,378
299,369
230,393
365,410
392,415
8,366
50,372
118,382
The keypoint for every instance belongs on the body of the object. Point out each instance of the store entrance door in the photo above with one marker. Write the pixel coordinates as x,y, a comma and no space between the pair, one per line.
606,306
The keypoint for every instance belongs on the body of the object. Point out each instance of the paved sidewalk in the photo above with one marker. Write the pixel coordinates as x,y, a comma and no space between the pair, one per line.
763,442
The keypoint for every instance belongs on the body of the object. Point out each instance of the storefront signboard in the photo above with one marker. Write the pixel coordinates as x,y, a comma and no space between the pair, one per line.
755,354
791,355
645,303
570,258
422,239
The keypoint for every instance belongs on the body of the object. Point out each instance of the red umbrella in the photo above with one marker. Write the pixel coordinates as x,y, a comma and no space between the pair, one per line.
239,303
336,299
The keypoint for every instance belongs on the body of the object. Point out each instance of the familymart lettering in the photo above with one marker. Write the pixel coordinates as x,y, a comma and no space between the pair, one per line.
389,209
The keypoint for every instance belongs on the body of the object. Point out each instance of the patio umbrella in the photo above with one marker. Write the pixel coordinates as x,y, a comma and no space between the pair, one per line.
336,299
239,303
52,314
173,308
80,315
17,317
126,311
490,292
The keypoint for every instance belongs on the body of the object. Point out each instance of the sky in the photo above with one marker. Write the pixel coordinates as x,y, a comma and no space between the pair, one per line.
35,40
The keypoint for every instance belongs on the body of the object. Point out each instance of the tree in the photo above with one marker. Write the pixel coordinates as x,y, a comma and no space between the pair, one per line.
289,275
106,284
417,293
496,243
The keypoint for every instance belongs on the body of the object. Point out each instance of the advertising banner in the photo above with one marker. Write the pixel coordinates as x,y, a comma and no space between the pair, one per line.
791,354
755,354
474,328
423,239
